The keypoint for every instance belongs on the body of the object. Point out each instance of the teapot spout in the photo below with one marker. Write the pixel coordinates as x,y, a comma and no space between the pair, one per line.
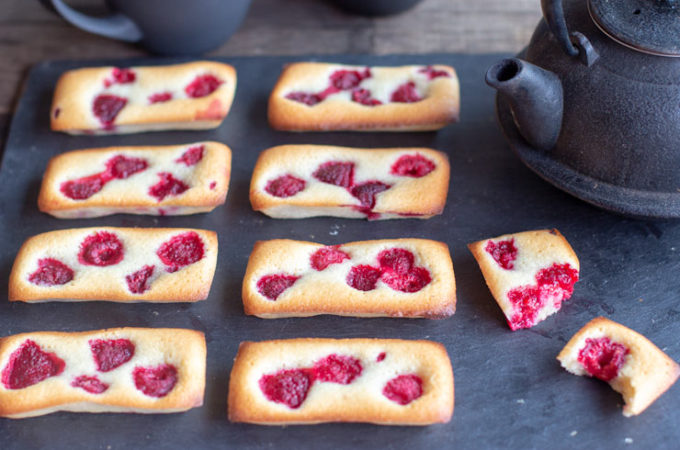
535,97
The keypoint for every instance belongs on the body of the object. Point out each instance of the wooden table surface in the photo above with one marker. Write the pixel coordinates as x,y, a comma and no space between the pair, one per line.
30,34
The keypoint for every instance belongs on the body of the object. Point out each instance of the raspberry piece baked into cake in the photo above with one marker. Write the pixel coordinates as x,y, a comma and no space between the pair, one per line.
298,181
115,264
307,381
139,370
529,274
109,100
324,97
168,180
628,361
392,278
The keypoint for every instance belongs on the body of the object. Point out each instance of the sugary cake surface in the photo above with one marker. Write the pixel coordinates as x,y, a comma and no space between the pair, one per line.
323,96
106,100
529,274
383,381
116,264
391,277
298,181
114,370
167,180
627,360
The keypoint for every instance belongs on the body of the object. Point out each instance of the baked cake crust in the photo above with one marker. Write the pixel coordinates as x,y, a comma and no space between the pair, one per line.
647,372
76,90
535,251
407,197
327,291
361,400
183,349
184,283
207,181
438,108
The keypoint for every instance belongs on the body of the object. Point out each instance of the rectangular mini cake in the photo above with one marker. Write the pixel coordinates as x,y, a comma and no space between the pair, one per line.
167,180
388,278
308,381
298,181
108,100
324,97
141,370
115,264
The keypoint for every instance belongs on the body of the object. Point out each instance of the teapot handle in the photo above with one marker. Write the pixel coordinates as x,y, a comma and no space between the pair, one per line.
553,13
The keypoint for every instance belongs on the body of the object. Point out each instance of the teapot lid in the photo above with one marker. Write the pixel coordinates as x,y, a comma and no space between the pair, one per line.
649,26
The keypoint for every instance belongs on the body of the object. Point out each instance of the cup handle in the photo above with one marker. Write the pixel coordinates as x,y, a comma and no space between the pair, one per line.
115,25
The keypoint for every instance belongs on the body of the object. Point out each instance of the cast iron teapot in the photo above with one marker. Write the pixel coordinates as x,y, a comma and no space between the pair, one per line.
594,105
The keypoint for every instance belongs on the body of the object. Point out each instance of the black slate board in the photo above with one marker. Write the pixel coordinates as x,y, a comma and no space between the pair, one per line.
510,390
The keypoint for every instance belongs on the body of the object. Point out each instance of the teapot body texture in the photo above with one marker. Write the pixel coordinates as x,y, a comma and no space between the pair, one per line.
620,122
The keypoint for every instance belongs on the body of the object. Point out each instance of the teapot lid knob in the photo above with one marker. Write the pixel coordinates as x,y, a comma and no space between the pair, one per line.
649,26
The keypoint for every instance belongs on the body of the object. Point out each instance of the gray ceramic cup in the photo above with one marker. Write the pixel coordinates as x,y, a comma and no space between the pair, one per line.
167,27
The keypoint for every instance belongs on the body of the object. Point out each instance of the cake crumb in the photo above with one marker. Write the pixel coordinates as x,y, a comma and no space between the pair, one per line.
335,229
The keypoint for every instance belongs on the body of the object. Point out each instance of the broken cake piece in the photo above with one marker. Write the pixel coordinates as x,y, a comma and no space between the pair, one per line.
529,274
628,361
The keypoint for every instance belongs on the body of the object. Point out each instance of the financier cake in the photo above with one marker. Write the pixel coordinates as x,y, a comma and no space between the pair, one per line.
166,180
115,264
529,274
298,181
323,97
390,277
307,381
110,100
628,361
140,370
